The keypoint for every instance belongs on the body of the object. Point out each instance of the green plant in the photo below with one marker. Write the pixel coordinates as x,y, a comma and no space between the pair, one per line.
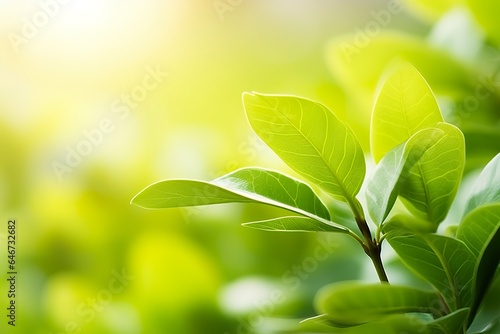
420,161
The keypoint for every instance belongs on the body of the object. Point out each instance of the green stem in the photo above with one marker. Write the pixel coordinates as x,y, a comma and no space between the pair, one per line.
379,266
372,248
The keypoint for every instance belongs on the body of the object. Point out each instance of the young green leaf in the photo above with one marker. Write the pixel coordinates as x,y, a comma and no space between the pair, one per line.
390,174
351,303
247,185
276,186
391,324
180,193
404,105
295,224
407,222
480,231
492,328
487,187
444,262
433,181
452,323
311,140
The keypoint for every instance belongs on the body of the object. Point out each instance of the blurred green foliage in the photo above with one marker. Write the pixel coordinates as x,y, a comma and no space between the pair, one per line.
76,232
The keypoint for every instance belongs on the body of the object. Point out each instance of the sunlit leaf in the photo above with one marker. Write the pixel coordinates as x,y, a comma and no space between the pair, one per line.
179,193
404,105
444,262
391,324
390,174
433,181
480,231
409,223
487,186
351,303
294,224
311,140
276,186
247,185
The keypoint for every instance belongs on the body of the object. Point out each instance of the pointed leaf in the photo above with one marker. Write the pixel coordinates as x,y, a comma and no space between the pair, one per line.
404,105
452,323
444,262
295,224
480,231
390,174
487,186
402,222
247,185
180,193
311,140
433,181
392,324
276,186
351,303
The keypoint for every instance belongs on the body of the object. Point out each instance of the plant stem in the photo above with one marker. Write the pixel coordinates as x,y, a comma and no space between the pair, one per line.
379,266
372,248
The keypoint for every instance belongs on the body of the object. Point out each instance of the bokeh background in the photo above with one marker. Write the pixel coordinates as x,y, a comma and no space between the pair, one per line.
100,98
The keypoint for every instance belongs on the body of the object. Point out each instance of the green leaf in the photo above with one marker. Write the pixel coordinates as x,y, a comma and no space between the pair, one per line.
247,185
318,324
390,174
444,262
433,181
452,323
492,328
404,105
351,303
392,324
487,186
409,223
311,140
294,224
180,193
275,186
480,231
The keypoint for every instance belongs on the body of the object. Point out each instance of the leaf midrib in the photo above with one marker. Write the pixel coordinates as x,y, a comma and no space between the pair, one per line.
341,186
448,273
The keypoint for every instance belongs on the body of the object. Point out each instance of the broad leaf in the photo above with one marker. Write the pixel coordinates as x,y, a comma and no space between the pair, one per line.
311,140
444,262
390,174
350,303
248,185
492,328
433,181
392,324
452,323
409,223
179,193
275,186
404,105
480,231
487,186
294,224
